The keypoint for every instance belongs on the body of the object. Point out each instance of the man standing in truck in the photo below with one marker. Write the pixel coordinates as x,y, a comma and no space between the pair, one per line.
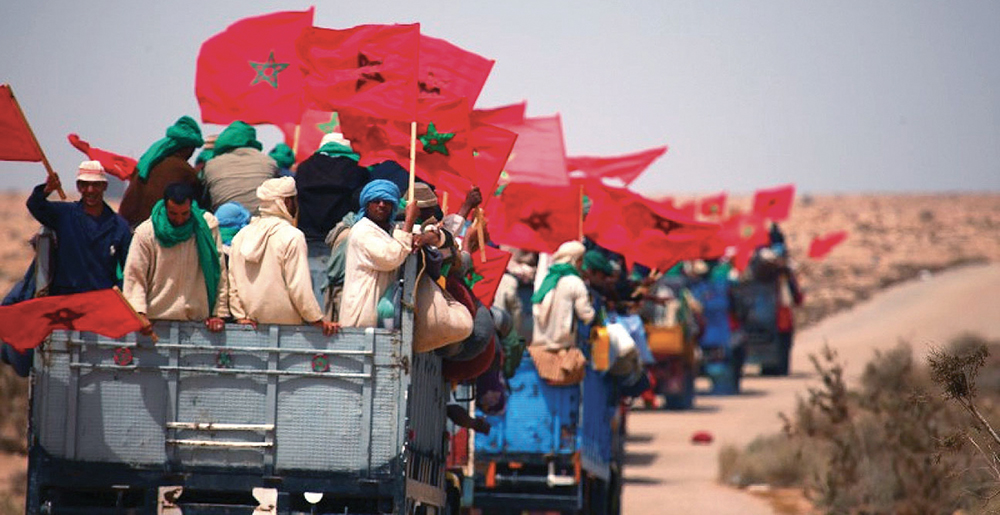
175,269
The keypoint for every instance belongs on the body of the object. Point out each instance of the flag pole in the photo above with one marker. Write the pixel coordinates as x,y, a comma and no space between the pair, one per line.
152,334
444,202
413,160
45,160
581,213
295,139
482,237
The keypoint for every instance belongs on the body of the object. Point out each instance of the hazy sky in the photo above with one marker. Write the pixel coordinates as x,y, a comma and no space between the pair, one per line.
835,96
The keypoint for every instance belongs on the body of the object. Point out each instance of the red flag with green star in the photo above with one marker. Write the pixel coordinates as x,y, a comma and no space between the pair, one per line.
250,71
313,126
484,278
26,324
820,246
444,148
714,206
775,203
447,71
534,217
368,70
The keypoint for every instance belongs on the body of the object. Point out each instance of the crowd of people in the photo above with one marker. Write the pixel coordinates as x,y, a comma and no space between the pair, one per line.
245,237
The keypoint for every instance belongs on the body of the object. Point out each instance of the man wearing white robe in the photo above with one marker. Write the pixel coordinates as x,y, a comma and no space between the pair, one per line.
561,305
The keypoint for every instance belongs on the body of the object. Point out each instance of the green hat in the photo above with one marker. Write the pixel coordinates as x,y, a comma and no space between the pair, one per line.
595,261
184,133
283,155
237,135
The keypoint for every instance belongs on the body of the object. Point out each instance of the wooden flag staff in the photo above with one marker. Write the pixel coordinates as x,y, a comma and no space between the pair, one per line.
581,213
295,139
45,160
413,161
481,226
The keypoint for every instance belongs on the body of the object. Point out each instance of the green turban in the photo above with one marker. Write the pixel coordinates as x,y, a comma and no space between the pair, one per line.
185,133
596,262
283,155
237,135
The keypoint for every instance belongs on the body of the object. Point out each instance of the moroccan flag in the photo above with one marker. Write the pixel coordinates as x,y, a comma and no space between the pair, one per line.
444,148
312,127
16,141
250,71
116,164
26,324
447,71
368,70
645,231
484,278
534,217
491,147
626,167
714,206
774,203
539,156
504,115
746,233
822,245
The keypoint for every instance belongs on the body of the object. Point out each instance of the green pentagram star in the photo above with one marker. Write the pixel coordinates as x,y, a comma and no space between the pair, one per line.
268,71
472,278
435,141
330,126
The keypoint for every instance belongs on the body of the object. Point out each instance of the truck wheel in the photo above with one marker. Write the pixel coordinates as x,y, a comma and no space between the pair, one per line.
685,399
784,357
454,505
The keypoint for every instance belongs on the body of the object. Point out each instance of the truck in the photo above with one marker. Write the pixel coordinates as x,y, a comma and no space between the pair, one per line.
756,308
556,448
272,420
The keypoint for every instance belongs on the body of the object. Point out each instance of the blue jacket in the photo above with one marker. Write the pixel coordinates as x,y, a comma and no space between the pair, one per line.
89,251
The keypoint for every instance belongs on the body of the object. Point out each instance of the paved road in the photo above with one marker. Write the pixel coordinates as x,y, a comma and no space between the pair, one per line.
665,473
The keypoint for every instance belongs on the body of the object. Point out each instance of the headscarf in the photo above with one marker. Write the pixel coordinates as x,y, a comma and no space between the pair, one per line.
237,135
283,155
334,144
184,133
424,196
562,266
379,189
232,217
595,261
169,235
273,214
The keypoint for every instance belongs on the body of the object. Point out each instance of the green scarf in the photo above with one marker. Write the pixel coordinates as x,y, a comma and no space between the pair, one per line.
556,272
283,155
185,133
237,135
334,149
208,255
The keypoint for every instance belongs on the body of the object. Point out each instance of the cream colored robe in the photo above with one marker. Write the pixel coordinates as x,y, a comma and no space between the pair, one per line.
167,283
555,323
269,279
372,259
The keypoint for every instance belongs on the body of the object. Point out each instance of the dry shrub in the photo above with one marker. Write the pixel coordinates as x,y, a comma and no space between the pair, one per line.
893,444
13,411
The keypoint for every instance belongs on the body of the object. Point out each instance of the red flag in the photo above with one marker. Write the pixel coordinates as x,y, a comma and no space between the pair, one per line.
26,324
491,147
504,115
312,127
116,164
626,167
370,70
822,245
484,278
539,156
250,71
447,71
645,231
774,203
713,206
16,141
534,217
444,149
746,233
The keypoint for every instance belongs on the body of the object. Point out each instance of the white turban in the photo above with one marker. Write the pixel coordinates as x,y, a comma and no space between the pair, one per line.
274,189
334,137
569,252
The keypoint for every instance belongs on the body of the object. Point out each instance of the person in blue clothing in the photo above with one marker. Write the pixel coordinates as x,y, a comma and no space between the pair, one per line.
724,358
91,239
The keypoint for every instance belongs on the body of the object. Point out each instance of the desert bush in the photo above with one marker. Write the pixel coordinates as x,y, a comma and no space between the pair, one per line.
13,411
891,444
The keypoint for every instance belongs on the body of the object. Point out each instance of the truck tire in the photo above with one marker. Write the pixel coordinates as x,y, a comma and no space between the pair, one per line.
784,358
685,399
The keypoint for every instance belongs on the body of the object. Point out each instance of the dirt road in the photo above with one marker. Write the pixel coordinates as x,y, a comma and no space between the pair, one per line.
665,473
